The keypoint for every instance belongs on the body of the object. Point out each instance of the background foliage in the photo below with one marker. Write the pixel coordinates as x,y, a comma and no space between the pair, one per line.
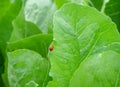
85,35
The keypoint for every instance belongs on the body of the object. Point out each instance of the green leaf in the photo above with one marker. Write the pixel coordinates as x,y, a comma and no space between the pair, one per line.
23,28
8,11
112,10
98,4
38,43
27,68
109,7
79,32
99,70
60,3
40,12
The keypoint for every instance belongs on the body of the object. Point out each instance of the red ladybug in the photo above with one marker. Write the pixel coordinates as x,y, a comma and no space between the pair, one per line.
51,47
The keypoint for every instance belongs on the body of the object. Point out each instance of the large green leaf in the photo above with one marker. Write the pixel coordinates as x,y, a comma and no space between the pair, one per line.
27,68
8,11
40,12
38,43
80,32
99,70
112,9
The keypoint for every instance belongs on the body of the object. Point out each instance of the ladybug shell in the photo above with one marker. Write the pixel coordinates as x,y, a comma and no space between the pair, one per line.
51,47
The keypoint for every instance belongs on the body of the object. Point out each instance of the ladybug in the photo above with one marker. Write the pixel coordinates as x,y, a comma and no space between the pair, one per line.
51,47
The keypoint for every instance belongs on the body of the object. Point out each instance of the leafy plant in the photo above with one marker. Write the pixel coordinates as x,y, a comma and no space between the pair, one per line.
82,41
54,43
